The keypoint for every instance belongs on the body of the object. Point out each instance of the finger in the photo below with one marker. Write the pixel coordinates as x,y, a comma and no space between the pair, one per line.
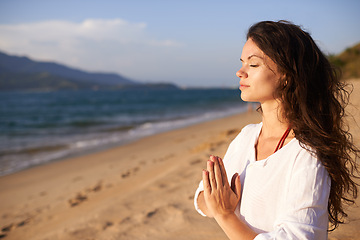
218,174
233,179
206,183
223,172
210,168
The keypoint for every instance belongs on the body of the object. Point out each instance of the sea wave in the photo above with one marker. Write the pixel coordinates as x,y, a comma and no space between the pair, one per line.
19,159
39,128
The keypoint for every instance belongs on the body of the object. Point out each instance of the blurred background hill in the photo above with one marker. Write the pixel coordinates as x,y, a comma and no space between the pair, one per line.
22,73
348,61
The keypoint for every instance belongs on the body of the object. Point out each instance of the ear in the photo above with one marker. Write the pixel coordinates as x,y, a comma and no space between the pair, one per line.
283,80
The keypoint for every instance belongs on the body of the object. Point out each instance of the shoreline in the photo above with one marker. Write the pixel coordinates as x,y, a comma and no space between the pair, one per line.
141,190
37,156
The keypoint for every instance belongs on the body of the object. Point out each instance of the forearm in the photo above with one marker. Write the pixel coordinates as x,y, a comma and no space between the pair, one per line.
234,228
202,205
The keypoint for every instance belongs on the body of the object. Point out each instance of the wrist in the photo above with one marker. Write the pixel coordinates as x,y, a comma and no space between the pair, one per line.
225,216
234,227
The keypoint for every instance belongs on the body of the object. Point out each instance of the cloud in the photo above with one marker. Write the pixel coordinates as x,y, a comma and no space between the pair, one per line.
93,44
123,47
121,31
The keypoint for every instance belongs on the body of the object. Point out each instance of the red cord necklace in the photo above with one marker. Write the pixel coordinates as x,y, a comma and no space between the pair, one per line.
282,139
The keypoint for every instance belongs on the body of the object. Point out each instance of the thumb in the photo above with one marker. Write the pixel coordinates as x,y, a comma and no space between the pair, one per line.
237,189
233,180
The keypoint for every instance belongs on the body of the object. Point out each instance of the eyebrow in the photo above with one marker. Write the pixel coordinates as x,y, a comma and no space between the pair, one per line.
254,55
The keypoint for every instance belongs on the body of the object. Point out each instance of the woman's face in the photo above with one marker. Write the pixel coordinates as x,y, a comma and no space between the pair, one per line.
259,75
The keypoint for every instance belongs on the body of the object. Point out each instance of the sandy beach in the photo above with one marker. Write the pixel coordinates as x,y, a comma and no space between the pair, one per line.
142,190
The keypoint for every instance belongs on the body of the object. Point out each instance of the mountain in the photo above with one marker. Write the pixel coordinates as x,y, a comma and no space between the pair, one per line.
348,61
22,73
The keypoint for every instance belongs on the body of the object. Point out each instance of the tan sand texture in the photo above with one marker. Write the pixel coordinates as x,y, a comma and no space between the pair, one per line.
351,230
143,190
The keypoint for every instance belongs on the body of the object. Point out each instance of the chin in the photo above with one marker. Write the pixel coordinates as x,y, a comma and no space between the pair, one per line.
245,98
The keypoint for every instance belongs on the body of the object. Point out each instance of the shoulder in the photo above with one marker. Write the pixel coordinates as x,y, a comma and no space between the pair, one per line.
304,159
296,157
307,155
306,176
249,133
251,130
252,127
244,141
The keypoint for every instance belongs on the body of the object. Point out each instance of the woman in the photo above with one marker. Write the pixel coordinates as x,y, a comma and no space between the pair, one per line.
289,175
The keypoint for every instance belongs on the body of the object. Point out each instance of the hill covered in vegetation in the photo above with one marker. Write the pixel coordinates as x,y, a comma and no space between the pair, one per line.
24,74
348,61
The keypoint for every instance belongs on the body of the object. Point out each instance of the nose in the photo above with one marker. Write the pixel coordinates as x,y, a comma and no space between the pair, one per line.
241,73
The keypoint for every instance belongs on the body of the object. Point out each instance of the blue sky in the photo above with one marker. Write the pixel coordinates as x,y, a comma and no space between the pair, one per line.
190,43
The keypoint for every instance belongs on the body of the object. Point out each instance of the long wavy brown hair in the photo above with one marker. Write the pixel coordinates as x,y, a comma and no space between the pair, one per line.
313,100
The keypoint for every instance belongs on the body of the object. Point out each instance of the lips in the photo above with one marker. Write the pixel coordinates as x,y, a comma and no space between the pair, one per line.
243,86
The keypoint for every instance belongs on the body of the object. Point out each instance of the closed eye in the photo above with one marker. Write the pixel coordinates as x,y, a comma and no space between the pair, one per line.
253,65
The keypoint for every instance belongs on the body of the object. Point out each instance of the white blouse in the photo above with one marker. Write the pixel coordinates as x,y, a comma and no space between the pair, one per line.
284,196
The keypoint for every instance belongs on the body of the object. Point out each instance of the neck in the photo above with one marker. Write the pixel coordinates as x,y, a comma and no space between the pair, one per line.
273,122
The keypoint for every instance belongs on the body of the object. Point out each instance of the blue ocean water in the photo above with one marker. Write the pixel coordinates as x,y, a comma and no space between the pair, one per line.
38,127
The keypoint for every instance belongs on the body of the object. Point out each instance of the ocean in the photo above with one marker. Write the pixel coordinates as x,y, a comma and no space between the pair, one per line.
39,127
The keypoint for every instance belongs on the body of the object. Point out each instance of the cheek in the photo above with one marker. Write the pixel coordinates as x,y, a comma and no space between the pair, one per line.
271,81
266,86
